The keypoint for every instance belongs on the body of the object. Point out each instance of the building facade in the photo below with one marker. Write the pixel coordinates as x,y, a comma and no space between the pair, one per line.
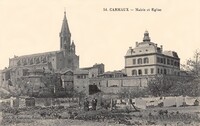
95,70
149,59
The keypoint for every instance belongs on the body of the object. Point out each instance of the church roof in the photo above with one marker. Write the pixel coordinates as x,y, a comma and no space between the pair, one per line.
37,54
65,70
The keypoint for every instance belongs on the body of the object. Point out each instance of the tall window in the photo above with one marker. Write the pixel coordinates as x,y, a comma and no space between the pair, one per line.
172,62
140,61
178,64
161,60
168,62
152,70
134,72
158,71
175,63
146,60
139,72
158,59
164,60
146,71
134,61
165,71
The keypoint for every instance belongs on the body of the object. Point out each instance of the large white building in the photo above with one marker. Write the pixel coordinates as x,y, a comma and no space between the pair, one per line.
149,59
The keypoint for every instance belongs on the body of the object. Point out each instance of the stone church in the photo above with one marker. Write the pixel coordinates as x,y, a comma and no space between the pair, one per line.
54,61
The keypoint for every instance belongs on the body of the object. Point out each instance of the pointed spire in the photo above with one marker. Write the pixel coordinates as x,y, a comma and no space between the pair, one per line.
64,14
73,47
146,37
65,35
65,28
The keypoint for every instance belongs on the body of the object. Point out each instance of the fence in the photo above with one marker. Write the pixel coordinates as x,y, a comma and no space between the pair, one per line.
42,102
143,103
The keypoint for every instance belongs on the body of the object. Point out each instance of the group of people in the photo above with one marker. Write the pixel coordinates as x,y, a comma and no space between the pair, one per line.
87,103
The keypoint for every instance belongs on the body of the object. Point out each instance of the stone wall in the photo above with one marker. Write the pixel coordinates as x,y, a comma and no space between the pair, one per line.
111,85
81,85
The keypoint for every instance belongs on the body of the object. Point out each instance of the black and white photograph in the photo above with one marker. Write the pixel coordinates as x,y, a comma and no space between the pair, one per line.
99,63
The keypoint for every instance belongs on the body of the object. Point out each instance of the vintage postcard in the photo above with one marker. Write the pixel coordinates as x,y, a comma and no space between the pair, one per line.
99,63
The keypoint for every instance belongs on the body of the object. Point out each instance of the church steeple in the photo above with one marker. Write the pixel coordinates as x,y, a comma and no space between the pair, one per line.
65,35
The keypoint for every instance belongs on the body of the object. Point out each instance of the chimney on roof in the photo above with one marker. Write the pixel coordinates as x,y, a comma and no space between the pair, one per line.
161,48
136,44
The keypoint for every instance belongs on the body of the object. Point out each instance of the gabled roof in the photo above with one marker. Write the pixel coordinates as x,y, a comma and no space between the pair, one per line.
65,70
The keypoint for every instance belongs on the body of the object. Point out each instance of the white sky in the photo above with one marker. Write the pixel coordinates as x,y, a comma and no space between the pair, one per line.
33,26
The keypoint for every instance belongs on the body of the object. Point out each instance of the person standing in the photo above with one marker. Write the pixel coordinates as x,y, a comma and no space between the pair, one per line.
94,104
86,104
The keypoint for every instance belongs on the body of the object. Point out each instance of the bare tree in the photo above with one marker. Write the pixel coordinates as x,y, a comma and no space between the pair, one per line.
132,93
161,85
166,85
193,67
193,64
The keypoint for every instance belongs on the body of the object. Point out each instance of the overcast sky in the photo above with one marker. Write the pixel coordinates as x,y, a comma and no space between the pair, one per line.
33,26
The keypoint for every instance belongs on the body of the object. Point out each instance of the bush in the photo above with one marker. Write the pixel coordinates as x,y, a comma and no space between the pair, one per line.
161,104
196,103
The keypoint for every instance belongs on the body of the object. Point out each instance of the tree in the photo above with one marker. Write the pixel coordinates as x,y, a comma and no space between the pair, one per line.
132,93
193,67
193,64
184,85
162,85
167,85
